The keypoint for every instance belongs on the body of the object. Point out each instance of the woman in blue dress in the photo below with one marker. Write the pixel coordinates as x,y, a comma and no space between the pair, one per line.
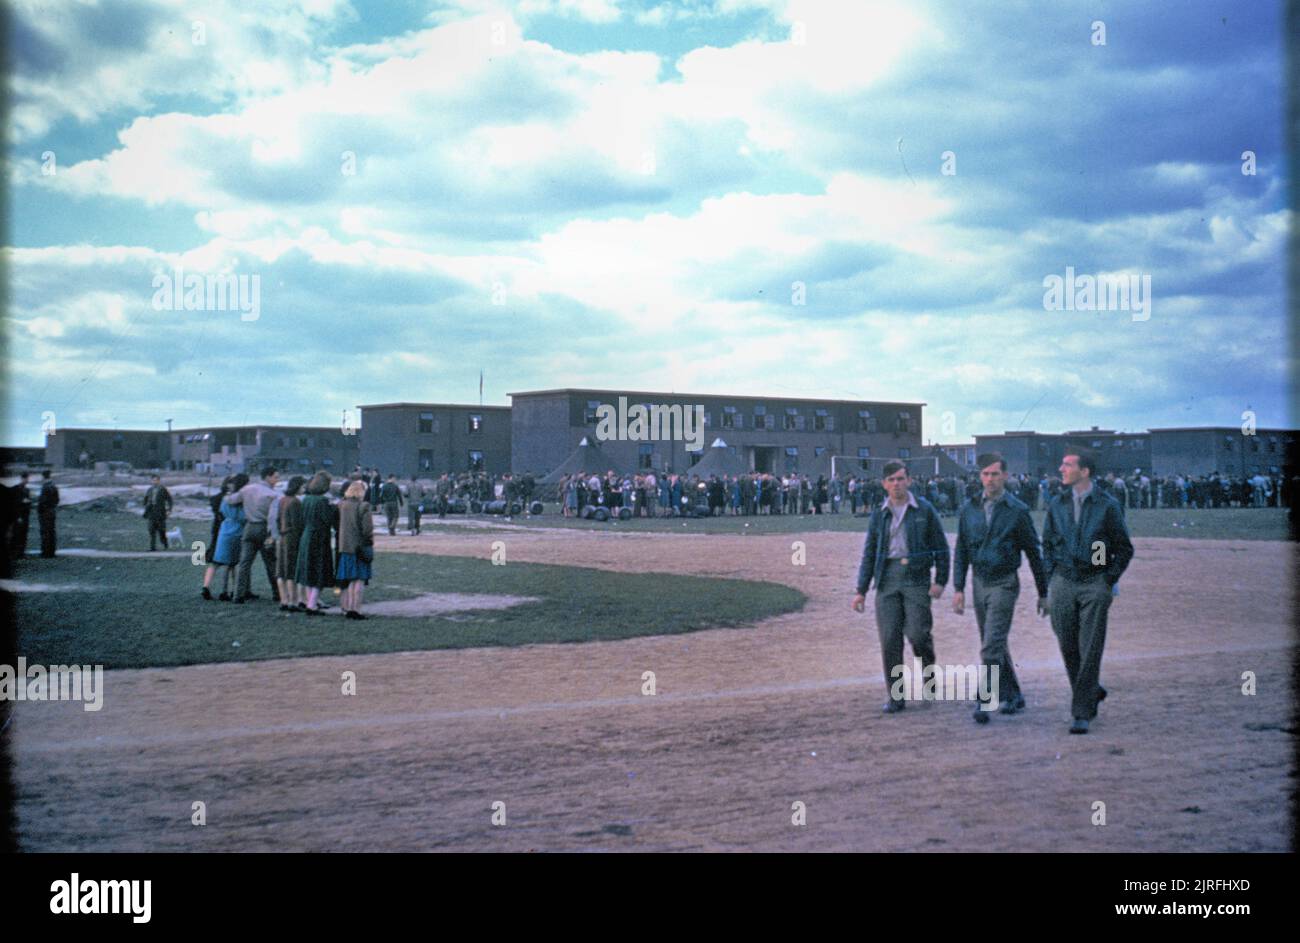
229,535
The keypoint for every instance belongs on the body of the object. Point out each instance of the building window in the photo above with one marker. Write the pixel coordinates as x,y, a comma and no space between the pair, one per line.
475,423
118,443
327,462
589,415
1136,443
823,421
1119,444
180,439
645,453
475,461
792,451
1272,443
1254,443
761,418
904,453
728,417
792,419
1096,443
1227,443
427,424
866,421
905,421
302,442
153,444
818,451
426,459
326,442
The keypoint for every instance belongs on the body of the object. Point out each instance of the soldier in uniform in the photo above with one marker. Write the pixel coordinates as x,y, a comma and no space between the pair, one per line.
157,505
414,504
390,496
46,507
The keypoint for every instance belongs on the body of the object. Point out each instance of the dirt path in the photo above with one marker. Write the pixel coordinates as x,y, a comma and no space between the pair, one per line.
745,722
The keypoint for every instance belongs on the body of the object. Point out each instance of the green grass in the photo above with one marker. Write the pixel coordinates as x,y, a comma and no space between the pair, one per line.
146,612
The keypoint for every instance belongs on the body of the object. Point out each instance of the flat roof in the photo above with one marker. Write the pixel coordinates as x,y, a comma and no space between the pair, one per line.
787,399
427,405
1237,429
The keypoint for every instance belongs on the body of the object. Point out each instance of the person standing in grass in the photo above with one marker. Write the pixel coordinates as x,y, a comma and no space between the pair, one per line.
210,554
315,566
229,535
157,505
356,548
288,534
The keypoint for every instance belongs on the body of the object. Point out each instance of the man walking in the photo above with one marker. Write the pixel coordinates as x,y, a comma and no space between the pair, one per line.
414,504
1086,549
47,504
904,543
157,505
993,530
256,497
390,496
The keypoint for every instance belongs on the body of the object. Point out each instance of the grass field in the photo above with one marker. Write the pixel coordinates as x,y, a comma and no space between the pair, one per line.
146,612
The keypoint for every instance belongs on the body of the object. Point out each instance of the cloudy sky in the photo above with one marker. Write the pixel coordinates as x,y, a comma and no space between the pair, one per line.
780,197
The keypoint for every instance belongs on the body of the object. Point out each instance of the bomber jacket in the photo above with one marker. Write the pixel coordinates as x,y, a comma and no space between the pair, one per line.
927,546
992,550
1070,549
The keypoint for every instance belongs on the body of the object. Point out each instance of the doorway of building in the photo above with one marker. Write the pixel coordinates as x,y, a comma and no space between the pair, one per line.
762,458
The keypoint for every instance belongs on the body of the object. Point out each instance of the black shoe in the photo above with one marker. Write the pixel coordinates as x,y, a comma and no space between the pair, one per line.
206,593
301,607
353,614
241,599
981,716
250,596
1101,694
1079,726
225,597
312,612
893,707
284,608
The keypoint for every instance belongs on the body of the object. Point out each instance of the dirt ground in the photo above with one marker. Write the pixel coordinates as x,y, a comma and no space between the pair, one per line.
745,723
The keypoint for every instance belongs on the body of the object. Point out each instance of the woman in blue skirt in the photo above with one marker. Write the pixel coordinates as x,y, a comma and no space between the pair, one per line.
229,535
356,548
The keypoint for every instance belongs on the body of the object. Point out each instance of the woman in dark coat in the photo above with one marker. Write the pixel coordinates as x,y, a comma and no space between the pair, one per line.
315,567
217,518
290,526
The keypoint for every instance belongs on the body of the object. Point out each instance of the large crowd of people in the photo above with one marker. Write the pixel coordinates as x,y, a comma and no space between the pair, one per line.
661,495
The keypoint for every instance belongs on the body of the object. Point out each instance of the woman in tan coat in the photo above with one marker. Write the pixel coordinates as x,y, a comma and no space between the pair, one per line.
356,547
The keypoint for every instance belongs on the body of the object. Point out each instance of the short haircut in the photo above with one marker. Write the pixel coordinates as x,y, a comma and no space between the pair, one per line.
990,458
319,484
1086,459
269,471
355,489
891,467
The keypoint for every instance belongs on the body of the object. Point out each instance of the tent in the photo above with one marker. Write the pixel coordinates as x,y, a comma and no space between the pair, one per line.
587,457
719,460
